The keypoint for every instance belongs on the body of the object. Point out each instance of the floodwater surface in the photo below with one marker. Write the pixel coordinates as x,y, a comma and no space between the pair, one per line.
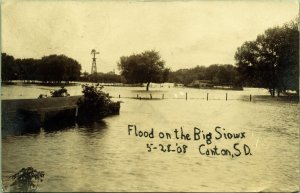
103,156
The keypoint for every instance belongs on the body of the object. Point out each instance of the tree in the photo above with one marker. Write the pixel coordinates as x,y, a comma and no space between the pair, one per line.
53,68
146,67
211,73
8,67
221,74
272,60
27,69
109,77
227,75
57,68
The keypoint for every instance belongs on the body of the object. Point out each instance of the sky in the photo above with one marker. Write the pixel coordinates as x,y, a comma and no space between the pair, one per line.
185,33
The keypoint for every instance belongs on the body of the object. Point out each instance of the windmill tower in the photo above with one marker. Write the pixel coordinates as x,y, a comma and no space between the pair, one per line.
94,65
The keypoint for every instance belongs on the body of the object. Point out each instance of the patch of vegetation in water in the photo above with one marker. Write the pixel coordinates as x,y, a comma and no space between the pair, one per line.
95,104
26,180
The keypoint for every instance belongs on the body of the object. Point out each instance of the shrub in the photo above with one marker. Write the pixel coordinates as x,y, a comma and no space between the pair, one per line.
26,180
95,103
42,96
62,92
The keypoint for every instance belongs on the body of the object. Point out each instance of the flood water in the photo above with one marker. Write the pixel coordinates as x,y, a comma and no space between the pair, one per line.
103,157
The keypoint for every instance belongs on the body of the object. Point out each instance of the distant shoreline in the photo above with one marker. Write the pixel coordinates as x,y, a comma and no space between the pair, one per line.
218,88
74,83
40,83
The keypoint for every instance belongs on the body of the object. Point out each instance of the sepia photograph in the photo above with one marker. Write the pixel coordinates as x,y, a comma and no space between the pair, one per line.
150,96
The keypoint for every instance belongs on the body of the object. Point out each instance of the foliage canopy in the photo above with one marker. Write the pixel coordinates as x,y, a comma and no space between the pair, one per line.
146,67
272,60
52,68
95,104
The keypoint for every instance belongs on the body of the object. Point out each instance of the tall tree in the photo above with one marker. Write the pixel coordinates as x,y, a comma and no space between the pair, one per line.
27,68
146,67
57,68
53,68
272,60
8,67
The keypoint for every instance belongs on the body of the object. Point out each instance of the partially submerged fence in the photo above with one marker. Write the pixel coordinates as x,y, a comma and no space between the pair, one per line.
207,97
162,96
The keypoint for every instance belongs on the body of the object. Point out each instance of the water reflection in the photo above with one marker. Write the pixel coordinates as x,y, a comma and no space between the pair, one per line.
91,127
58,128
59,125
27,123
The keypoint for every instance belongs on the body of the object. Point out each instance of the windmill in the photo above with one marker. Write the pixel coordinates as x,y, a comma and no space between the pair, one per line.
94,65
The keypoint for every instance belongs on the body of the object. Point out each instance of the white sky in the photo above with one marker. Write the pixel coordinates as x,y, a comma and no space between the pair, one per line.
185,33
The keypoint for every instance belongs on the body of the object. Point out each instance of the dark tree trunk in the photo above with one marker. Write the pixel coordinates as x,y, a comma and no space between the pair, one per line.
147,88
272,91
278,92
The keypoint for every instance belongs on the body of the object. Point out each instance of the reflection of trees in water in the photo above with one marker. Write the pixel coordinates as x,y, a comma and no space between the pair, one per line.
64,125
92,127
59,127
60,121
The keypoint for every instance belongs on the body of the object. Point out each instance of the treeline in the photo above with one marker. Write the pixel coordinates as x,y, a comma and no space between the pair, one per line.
48,69
272,60
225,75
109,77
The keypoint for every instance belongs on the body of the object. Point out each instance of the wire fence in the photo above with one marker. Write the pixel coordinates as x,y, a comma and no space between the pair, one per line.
209,97
186,97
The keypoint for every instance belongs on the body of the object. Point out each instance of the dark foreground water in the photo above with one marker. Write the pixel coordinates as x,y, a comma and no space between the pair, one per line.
103,157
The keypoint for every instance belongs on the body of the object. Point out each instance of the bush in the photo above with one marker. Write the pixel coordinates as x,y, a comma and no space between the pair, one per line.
42,96
26,180
62,92
95,103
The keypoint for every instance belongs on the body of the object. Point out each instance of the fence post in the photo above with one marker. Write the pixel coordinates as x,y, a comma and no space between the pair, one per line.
150,96
226,96
137,96
119,96
207,96
163,96
186,96
250,97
